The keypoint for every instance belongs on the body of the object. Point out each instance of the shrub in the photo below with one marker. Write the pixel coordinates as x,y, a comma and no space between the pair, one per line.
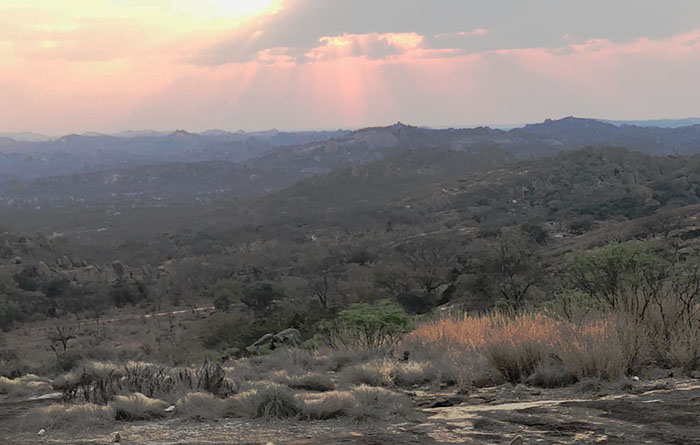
138,407
200,406
366,326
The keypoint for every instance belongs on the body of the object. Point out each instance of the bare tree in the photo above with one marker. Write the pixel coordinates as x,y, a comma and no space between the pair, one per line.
60,338
323,278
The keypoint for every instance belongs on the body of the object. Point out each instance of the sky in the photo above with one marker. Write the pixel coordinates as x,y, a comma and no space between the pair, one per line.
73,66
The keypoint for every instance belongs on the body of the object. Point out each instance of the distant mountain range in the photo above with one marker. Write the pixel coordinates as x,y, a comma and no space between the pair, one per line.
156,169
37,137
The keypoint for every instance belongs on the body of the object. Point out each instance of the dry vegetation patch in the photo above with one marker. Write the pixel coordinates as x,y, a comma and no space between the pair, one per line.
535,347
200,406
374,373
329,406
68,417
270,402
139,407
372,403
24,386
310,382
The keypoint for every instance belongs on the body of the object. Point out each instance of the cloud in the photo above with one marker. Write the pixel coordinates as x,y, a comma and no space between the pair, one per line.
344,87
351,63
371,46
462,34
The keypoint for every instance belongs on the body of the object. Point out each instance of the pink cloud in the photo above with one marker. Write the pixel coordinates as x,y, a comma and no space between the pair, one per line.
279,57
372,45
452,35
354,80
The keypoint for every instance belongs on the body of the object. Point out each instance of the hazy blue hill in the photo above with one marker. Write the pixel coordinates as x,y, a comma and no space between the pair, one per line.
27,136
574,132
660,123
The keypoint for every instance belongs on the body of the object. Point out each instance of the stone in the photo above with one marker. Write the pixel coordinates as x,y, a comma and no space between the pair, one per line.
442,403
289,337
43,269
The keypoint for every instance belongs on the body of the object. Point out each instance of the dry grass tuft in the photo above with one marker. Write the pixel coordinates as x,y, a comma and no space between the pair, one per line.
270,402
336,359
329,406
408,374
310,382
373,404
68,417
235,406
551,375
88,371
138,407
360,404
200,406
684,347
597,349
293,360
374,373
24,386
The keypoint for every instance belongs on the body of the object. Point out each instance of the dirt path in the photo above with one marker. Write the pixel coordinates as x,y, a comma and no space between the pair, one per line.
129,317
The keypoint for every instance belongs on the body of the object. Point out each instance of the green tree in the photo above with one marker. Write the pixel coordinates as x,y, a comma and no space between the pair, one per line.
9,313
607,272
260,296
366,326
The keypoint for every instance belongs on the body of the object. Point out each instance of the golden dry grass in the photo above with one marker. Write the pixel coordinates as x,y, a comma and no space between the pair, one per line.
516,345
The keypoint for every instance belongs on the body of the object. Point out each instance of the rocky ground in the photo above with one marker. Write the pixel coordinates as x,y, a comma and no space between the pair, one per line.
661,411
